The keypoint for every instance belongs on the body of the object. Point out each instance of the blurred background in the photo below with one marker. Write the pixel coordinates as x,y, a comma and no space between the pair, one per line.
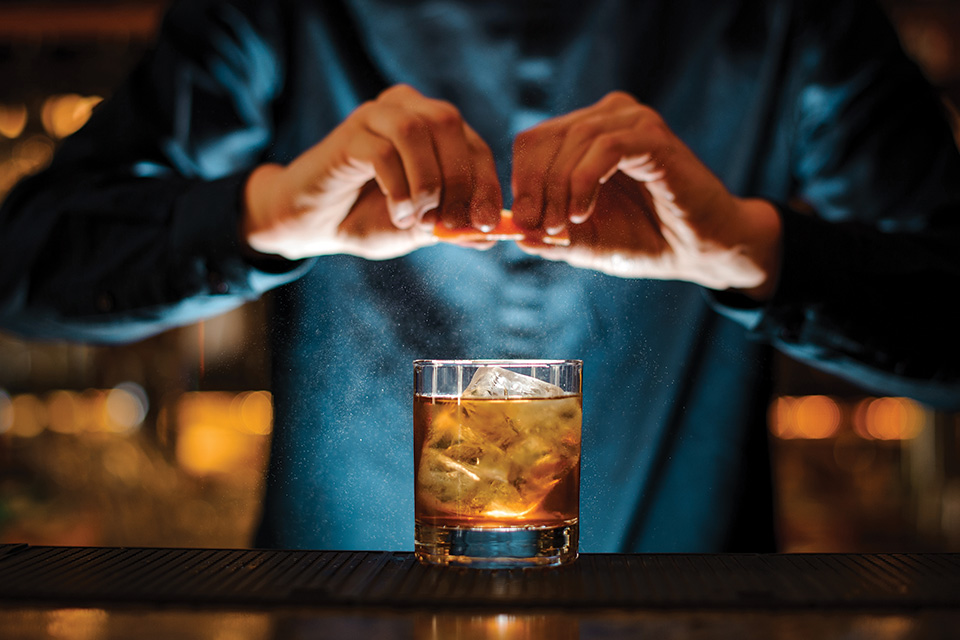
164,442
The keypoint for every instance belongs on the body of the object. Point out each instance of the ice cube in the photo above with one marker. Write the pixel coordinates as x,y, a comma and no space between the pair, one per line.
467,479
497,382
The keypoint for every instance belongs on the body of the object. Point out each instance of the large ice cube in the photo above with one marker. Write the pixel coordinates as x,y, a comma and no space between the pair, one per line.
497,382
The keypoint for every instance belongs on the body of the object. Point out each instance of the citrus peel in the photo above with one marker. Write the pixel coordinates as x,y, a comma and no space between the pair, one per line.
506,230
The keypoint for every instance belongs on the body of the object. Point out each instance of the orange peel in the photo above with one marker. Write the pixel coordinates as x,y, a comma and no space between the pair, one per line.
506,230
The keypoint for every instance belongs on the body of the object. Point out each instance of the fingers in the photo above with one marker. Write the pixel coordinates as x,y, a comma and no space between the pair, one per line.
443,164
560,165
486,200
404,179
567,179
435,128
534,151
366,232
399,146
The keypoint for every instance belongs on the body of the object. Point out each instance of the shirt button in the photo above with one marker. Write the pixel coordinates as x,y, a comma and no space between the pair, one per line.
217,283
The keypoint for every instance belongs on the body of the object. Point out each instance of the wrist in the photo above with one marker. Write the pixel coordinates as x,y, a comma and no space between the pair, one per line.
260,207
762,247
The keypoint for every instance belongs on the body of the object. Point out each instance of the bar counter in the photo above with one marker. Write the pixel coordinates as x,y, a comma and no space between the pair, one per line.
90,593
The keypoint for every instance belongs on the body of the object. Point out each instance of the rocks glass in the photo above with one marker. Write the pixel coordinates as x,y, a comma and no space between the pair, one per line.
497,461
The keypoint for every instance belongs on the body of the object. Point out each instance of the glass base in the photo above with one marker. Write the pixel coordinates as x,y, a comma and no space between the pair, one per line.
497,548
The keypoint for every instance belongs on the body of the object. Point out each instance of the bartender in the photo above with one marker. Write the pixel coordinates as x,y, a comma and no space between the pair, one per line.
732,176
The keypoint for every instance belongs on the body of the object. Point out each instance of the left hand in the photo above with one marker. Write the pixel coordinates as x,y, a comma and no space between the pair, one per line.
641,204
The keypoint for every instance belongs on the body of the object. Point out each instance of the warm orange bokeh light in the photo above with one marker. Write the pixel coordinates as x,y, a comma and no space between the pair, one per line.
888,419
64,412
219,432
808,417
118,410
894,419
13,120
204,448
817,417
62,115
780,418
29,415
255,409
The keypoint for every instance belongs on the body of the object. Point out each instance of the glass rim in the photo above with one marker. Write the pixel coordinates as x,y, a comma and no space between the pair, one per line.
508,362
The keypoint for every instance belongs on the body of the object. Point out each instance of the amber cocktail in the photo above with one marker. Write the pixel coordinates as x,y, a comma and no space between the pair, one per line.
497,461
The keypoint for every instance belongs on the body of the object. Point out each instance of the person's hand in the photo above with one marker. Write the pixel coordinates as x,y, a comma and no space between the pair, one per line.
640,203
376,185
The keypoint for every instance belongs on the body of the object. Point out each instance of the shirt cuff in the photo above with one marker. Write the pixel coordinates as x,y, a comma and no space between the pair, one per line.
206,230
803,277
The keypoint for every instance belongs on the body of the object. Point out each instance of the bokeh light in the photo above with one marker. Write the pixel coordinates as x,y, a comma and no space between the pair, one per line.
894,419
817,417
13,120
119,410
126,407
29,415
780,418
93,416
64,412
204,448
219,432
6,412
255,412
32,154
808,417
889,419
858,420
64,114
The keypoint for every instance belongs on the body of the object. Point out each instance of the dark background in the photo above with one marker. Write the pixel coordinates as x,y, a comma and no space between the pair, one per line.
163,442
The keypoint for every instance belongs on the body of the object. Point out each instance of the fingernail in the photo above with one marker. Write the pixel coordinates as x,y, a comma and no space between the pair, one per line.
425,201
403,213
427,220
582,211
609,174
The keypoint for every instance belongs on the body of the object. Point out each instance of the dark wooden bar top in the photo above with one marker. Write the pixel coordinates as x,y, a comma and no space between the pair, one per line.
89,593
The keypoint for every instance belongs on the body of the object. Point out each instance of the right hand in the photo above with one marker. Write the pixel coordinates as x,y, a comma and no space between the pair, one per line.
638,203
376,185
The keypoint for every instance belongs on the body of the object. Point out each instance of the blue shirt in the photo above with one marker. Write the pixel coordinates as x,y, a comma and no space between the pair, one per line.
806,102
